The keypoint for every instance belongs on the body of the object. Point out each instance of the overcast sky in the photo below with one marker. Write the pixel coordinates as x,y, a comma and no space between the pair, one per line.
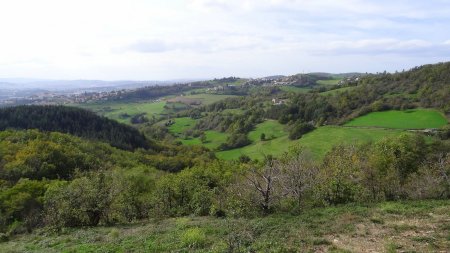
160,40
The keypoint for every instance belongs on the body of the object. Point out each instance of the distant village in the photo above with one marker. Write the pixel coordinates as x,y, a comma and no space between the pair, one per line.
54,98
214,86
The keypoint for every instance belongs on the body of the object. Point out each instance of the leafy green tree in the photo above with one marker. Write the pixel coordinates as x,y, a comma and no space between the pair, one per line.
263,137
339,176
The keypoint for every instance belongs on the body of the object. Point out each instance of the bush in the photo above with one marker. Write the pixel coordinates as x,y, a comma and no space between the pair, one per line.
193,238
299,129
236,140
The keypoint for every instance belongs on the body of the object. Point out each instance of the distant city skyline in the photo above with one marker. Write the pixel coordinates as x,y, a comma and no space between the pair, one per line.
200,39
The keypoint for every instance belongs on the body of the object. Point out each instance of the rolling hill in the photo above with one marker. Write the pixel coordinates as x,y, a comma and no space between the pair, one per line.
75,121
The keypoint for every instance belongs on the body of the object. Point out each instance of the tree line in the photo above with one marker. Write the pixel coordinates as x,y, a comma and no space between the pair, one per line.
75,121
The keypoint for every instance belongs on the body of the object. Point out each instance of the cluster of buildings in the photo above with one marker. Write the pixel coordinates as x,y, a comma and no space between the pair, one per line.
55,98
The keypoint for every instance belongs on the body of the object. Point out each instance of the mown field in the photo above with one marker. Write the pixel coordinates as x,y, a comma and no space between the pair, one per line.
319,141
407,226
409,119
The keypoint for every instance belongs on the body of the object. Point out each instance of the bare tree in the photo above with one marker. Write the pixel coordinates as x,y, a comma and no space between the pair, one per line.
443,168
299,176
265,182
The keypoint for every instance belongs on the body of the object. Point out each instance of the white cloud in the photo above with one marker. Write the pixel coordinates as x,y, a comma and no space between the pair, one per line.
149,39
389,46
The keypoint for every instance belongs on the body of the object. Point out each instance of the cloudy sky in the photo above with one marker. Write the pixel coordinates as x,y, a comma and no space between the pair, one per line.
160,40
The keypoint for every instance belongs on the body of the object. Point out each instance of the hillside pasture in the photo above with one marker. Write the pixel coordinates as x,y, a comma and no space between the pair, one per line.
322,140
409,119
123,112
295,89
319,141
275,143
181,125
213,140
198,99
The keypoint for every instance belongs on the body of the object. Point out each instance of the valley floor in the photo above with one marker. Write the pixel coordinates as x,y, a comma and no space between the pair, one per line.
409,226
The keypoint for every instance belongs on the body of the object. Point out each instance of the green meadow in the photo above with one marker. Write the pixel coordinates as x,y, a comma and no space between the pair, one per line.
295,89
319,141
116,111
213,139
207,99
409,119
181,125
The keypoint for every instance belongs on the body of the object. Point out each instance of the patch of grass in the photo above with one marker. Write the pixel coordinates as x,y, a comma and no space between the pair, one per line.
321,241
319,141
213,139
425,239
314,230
193,238
295,89
409,119
272,129
115,111
181,125
207,99
275,143
392,247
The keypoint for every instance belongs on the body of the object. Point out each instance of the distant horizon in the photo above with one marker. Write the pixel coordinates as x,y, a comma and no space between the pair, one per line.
189,79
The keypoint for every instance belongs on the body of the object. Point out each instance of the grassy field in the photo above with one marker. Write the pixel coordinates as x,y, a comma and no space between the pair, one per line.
408,226
181,125
115,110
207,99
213,139
271,128
275,143
295,89
410,119
319,141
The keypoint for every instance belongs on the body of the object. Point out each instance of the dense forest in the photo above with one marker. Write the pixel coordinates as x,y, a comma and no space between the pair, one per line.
74,121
